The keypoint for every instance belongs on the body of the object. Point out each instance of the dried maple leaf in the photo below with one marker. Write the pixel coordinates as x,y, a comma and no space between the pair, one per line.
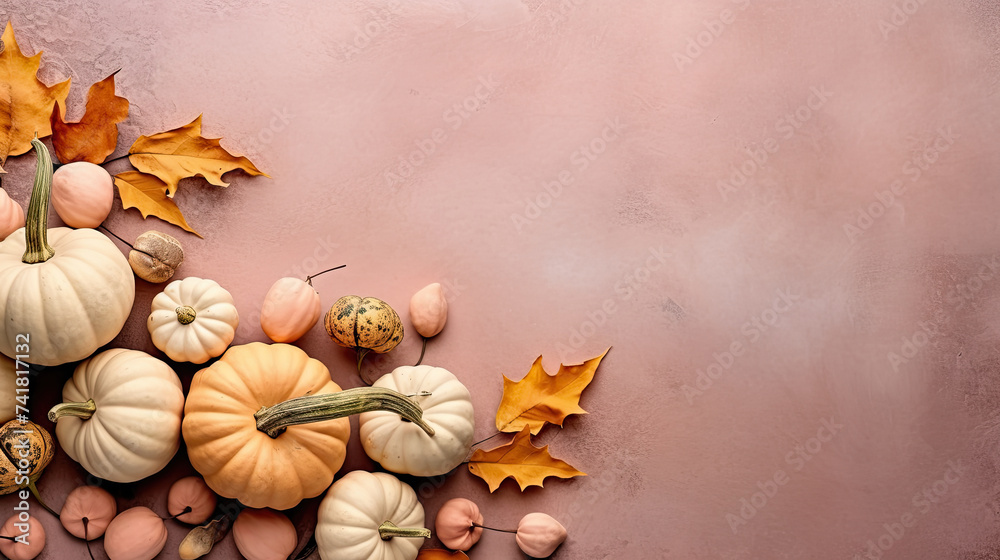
441,554
541,398
527,464
95,137
184,152
146,193
26,112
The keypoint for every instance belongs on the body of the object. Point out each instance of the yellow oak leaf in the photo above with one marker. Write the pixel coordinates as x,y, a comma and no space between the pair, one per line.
441,554
184,152
541,398
146,193
95,137
30,101
527,464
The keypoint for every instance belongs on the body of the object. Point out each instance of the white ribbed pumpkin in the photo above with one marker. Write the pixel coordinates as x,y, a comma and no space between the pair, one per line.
121,415
193,320
370,516
403,447
70,290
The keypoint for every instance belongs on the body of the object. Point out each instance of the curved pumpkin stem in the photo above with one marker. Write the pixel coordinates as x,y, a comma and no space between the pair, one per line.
36,239
389,530
272,420
80,410
38,497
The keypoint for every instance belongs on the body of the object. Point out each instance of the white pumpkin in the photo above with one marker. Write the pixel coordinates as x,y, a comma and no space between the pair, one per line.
70,290
403,447
370,516
121,415
193,320
8,389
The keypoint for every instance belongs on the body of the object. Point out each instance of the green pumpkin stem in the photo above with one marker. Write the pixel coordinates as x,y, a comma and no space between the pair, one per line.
36,241
185,314
272,420
388,530
80,410
38,497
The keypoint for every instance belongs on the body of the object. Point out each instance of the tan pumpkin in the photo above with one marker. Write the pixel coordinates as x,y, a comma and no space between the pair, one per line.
458,524
82,194
291,308
135,534
11,215
266,425
264,534
70,291
87,512
32,539
191,493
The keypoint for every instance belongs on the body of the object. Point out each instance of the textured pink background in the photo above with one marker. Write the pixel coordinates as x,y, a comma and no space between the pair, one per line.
363,85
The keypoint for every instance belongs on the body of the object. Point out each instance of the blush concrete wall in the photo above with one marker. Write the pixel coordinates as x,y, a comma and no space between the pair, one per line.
781,215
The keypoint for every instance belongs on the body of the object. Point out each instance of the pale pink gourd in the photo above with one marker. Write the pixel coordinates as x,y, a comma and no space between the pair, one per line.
136,534
18,550
429,310
82,194
539,535
90,502
291,307
11,215
264,534
454,524
191,492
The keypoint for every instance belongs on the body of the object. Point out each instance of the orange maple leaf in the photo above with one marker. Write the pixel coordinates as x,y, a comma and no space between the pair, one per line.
184,152
541,398
95,137
146,193
28,103
527,464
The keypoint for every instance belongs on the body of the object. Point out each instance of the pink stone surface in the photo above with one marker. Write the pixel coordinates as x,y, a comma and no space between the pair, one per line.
805,359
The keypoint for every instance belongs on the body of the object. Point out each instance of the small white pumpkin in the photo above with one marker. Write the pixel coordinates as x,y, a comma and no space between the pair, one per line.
403,447
193,320
370,516
121,415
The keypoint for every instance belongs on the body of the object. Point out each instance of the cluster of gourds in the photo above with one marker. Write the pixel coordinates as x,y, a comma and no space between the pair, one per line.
263,424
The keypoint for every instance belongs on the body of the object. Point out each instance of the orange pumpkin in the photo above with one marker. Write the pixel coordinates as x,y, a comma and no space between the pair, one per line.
266,425
459,524
264,534
32,543
291,308
136,534
95,505
191,492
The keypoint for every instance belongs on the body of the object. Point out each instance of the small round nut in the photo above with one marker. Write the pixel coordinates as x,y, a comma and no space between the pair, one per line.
155,256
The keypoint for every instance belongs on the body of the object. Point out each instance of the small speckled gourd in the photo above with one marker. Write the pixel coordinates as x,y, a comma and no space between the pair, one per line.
364,324
155,256
40,451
